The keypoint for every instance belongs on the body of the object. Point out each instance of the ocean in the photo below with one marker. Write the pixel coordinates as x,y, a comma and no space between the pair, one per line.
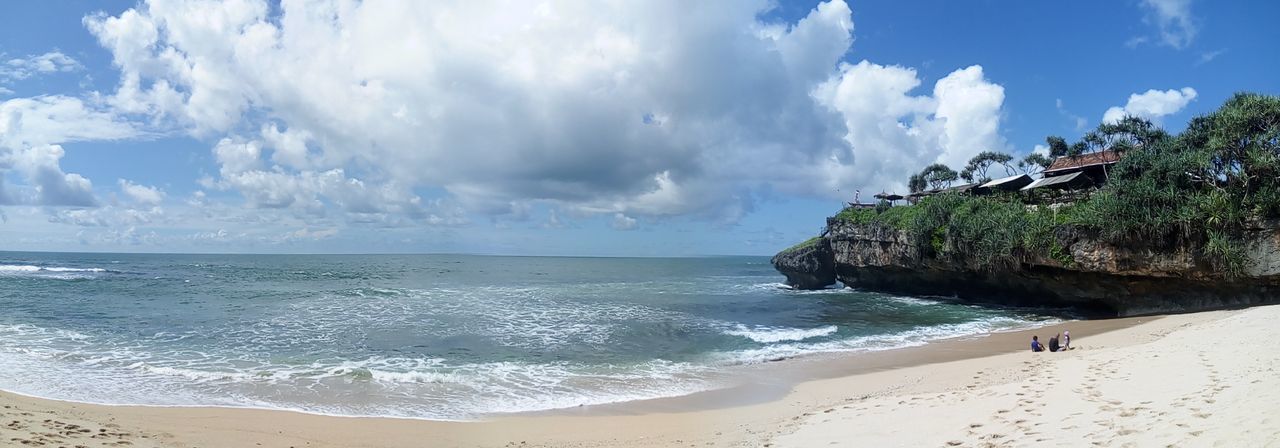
450,337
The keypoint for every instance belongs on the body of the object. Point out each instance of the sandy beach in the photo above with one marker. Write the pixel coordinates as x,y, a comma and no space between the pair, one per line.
1199,379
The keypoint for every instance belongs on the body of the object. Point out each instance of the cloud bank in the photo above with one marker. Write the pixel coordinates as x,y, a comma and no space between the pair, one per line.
653,109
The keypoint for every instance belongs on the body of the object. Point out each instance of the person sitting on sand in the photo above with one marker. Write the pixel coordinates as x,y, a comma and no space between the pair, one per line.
1035,344
1053,343
1066,340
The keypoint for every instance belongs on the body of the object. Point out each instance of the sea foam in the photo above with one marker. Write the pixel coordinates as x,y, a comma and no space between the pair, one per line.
766,335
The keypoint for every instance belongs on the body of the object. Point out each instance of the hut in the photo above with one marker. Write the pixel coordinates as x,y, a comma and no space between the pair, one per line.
1011,183
1094,165
891,197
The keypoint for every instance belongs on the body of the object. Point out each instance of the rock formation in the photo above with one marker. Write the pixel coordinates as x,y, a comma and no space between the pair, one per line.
1089,275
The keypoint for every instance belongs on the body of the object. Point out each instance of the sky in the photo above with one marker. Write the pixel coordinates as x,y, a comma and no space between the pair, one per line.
656,128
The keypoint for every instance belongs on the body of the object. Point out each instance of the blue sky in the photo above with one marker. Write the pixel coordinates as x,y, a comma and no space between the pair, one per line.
648,129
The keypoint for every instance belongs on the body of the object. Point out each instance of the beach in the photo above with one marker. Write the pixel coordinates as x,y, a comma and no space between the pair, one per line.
1195,379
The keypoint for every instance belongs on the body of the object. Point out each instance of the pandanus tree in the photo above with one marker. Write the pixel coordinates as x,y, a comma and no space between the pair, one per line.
976,170
938,176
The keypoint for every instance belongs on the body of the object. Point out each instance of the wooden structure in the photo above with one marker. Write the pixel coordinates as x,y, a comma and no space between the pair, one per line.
1094,165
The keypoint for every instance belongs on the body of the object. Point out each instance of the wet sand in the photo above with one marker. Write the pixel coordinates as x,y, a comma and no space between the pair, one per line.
1187,379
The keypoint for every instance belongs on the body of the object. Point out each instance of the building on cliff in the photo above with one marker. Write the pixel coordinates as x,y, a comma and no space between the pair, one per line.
1077,172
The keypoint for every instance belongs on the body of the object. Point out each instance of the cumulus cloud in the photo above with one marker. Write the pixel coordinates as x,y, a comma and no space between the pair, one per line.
891,132
141,194
31,131
1152,104
1173,19
58,119
23,68
638,109
49,185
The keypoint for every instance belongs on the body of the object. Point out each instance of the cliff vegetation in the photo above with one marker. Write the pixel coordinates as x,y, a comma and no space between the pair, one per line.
1202,188
1180,222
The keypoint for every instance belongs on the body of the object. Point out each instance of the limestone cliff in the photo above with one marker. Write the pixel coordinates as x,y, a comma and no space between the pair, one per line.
1088,275
807,265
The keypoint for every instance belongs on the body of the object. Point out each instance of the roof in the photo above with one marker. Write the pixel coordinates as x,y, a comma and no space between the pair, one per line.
958,188
888,196
1067,164
1064,181
955,189
1008,183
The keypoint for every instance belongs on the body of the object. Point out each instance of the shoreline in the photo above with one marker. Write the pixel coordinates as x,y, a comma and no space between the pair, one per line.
776,375
783,393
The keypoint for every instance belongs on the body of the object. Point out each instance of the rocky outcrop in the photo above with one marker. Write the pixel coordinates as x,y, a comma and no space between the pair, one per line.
809,265
1086,275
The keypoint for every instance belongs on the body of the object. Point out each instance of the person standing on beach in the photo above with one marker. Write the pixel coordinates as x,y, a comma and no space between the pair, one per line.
1035,344
1066,340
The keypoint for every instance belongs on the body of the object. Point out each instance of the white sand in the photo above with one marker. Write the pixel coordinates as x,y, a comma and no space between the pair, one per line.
1208,379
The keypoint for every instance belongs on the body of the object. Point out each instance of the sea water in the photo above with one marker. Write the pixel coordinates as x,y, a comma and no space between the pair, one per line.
427,336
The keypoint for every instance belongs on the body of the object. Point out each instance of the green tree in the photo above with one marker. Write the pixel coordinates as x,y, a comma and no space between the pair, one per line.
938,176
976,170
916,184
1057,146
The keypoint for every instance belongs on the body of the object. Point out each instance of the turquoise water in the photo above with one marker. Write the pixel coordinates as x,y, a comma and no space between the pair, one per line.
426,336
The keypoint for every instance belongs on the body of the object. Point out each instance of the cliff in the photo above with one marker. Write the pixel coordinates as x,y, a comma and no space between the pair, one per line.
1084,274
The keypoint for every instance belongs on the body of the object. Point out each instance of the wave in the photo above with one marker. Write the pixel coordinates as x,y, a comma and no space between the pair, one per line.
767,335
910,338
32,268
53,272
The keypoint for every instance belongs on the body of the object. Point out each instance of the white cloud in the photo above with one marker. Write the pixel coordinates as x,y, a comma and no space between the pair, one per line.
623,222
1152,104
106,216
49,185
31,131
1209,56
653,109
141,194
892,133
58,119
1041,149
1173,18
23,68
305,234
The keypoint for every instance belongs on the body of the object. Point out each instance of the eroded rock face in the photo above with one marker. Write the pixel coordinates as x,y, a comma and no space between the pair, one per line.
1097,277
807,267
